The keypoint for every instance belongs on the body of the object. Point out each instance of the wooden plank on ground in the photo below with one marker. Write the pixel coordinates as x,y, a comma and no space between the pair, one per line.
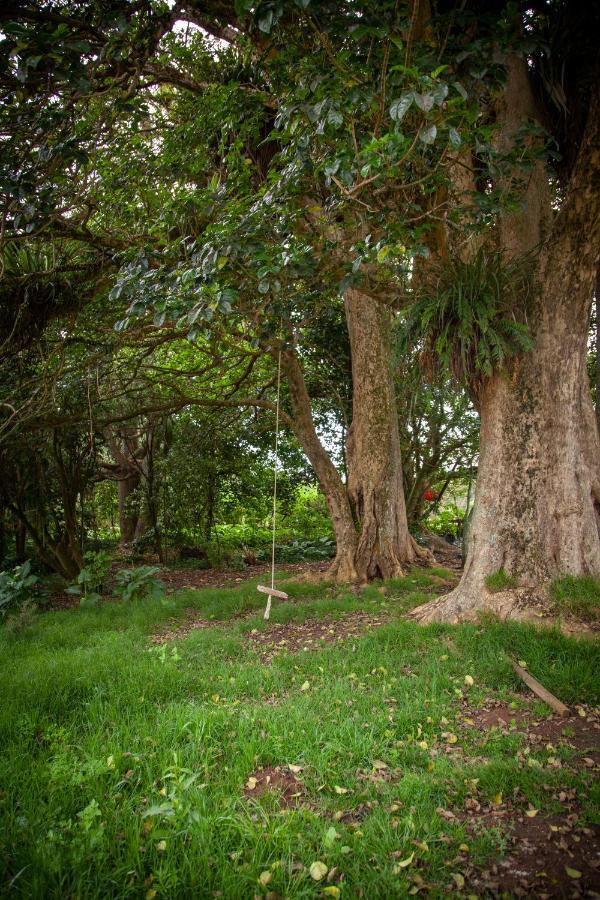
540,690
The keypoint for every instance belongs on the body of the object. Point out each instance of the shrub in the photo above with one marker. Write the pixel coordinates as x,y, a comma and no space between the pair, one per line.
577,595
447,521
500,581
89,584
15,587
139,584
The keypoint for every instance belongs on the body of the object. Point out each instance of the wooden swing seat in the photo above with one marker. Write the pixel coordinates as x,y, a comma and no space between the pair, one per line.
273,593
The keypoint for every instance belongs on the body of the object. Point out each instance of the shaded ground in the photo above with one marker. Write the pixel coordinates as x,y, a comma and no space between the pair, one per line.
188,579
304,636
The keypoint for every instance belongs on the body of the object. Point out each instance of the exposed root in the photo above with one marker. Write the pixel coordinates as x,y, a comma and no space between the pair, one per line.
463,605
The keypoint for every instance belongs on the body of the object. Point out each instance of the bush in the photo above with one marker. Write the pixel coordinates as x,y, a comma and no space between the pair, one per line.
139,584
15,587
447,521
577,595
89,584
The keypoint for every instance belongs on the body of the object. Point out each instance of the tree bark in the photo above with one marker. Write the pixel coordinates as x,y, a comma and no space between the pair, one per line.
375,485
128,518
537,500
343,567
598,350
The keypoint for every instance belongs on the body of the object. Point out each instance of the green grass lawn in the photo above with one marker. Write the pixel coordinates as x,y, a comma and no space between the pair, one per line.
124,765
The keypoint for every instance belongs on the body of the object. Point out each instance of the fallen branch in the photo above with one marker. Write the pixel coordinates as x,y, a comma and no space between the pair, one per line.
540,690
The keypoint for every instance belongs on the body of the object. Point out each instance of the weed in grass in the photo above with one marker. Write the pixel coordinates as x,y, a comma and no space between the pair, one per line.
500,581
578,596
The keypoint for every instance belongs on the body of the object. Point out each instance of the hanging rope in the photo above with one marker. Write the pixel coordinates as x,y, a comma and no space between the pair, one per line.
265,590
276,467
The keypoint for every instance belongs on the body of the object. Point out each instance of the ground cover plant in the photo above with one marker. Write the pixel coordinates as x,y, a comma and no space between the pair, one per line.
144,758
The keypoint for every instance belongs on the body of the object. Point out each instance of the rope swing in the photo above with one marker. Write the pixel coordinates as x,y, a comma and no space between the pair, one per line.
264,589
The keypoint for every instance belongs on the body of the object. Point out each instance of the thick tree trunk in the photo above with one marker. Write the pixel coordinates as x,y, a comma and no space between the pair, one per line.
537,501
128,517
385,546
598,350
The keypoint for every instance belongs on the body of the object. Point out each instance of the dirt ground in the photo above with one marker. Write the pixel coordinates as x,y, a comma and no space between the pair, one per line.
547,855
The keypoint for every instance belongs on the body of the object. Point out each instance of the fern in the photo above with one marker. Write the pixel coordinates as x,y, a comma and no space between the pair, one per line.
470,317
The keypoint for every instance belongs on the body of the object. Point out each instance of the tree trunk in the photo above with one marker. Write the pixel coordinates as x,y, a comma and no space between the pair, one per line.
343,567
385,546
128,518
537,500
20,541
598,350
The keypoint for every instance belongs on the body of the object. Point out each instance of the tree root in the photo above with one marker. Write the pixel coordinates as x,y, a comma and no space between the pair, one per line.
464,605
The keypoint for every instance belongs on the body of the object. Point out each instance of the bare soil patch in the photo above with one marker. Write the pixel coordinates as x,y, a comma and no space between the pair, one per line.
548,856
195,579
277,780
579,732
300,636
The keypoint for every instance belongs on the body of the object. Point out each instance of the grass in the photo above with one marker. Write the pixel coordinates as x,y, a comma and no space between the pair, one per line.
123,764
579,596
500,581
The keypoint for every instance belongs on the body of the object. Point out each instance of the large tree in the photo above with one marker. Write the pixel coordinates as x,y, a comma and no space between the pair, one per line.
537,505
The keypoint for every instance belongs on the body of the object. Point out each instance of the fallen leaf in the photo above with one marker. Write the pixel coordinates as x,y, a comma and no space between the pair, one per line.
332,891
251,783
531,813
161,846
294,769
452,739
379,764
331,836
340,790
404,863
464,848
318,870
469,680
497,799
459,881
522,663
572,873
305,686
265,878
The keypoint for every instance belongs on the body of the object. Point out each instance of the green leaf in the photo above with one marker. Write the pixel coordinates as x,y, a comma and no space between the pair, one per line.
399,108
429,135
424,101
265,21
331,836
455,138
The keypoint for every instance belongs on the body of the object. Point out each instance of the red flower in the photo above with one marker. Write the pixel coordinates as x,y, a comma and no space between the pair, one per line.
429,495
